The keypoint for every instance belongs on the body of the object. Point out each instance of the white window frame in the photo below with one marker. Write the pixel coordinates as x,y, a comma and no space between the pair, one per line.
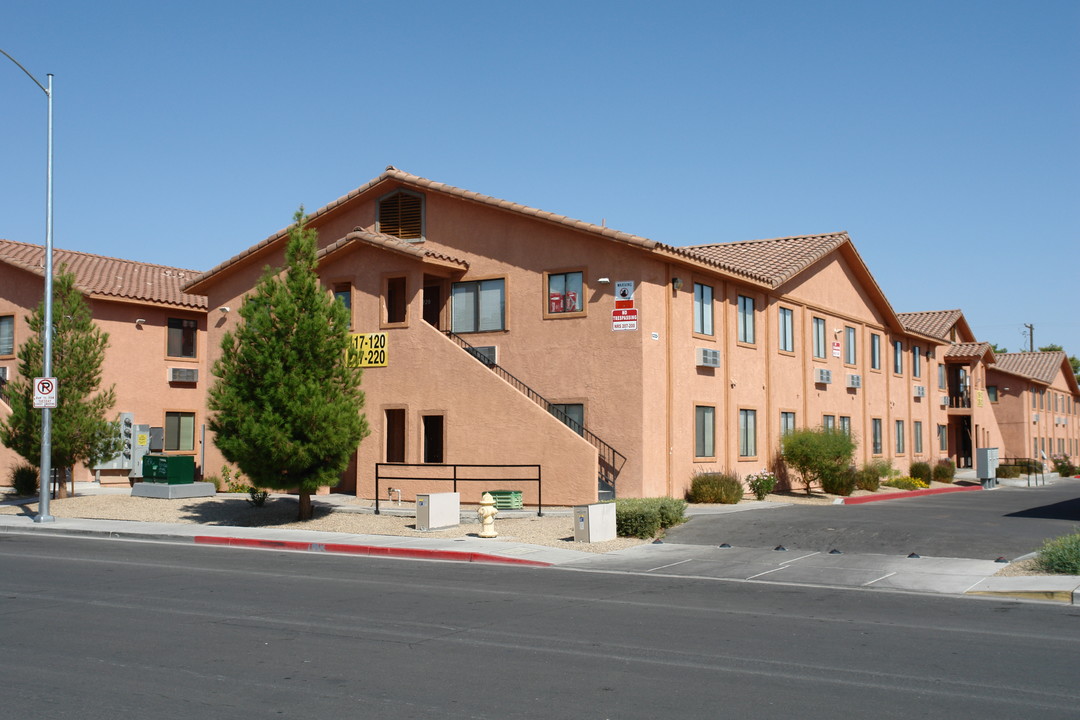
703,309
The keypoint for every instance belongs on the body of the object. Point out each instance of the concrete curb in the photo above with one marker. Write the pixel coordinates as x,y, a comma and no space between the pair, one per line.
863,499
368,550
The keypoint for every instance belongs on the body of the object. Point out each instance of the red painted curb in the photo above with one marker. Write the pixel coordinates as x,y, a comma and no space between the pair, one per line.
862,499
369,550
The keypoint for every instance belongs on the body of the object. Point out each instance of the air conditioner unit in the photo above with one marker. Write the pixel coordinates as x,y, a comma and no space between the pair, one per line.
823,376
183,375
1034,417
707,357
944,399
920,391
854,381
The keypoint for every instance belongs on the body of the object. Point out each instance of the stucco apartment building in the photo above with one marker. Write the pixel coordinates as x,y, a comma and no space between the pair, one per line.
157,336
615,362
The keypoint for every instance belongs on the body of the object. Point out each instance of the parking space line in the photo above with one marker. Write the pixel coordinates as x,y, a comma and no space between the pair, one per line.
670,565
766,572
880,578
786,562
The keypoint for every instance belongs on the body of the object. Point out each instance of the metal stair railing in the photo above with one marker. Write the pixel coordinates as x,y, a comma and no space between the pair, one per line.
611,461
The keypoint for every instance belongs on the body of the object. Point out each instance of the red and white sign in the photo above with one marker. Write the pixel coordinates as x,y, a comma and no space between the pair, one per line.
624,319
45,392
836,348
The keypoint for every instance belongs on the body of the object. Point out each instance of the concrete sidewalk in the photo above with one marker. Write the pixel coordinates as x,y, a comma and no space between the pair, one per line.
939,575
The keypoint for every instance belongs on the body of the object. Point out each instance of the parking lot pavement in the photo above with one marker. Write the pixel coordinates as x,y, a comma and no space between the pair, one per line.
924,574
1008,522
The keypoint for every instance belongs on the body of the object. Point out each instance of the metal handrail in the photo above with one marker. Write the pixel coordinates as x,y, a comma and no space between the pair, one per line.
611,460
456,479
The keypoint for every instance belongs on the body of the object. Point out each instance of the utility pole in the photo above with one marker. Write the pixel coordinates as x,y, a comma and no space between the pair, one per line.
1031,336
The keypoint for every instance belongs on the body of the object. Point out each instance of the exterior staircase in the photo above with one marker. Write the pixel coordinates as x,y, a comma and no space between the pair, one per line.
610,460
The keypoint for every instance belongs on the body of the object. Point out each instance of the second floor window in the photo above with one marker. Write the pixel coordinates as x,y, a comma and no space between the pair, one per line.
875,351
746,319
479,306
849,345
564,292
898,357
182,338
7,335
703,309
787,330
819,337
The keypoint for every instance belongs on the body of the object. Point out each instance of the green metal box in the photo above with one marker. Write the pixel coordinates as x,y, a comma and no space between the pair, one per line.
507,499
169,469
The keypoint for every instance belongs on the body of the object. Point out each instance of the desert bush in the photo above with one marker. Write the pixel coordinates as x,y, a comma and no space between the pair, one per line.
24,479
646,517
1061,555
761,484
1028,466
1063,466
257,497
945,471
921,471
906,483
1007,471
882,468
867,479
819,455
715,487
841,483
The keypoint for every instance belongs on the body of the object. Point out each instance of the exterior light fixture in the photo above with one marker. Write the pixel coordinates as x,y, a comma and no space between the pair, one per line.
676,283
604,281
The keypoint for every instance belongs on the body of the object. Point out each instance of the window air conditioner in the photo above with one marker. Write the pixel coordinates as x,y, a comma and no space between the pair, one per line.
854,381
920,391
1034,417
707,357
183,375
822,376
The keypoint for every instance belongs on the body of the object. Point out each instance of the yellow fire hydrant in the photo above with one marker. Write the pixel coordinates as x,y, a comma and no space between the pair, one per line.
487,513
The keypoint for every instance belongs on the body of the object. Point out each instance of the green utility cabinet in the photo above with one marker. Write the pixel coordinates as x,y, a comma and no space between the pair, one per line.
507,499
169,469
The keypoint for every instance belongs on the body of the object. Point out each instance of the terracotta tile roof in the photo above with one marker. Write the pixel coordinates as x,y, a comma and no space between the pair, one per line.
392,173
936,323
108,277
772,262
1040,366
969,350
393,244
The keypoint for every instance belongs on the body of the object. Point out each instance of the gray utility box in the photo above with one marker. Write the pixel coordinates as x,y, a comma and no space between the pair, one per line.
594,523
986,465
438,511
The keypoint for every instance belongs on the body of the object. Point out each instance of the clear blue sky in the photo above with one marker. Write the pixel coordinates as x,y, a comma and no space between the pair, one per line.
944,136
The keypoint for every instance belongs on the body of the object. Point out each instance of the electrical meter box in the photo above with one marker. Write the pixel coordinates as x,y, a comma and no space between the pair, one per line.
986,465
168,469
594,523
436,511
123,459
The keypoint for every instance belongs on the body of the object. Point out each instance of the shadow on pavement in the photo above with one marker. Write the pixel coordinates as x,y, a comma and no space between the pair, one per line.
1064,510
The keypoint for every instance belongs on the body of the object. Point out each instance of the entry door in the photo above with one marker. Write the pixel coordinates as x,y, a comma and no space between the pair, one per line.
432,305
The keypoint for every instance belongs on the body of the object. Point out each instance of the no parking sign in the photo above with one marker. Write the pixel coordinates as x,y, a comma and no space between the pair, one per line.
45,392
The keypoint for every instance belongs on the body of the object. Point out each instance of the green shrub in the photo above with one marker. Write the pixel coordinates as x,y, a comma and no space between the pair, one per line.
715,487
672,511
1007,471
24,479
1062,465
818,454
866,478
636,517
881,468
761,484
257,497
906,483
945,471
921,471
215,481
1061,555
841,483
1028,466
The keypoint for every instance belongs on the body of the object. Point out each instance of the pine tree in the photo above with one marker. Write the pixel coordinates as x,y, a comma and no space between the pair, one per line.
80,432
286,409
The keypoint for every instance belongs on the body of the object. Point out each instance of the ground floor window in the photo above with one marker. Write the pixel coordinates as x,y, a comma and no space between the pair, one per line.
943,437
845,425
179,431
395,434
787,423
875,435
916,436
704,431
747,433
828,422
899,437
572,415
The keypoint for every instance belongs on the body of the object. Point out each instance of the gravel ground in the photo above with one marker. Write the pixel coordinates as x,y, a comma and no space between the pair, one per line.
280,512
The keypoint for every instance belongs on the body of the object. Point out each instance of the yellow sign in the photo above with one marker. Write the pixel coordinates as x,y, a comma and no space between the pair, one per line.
366,350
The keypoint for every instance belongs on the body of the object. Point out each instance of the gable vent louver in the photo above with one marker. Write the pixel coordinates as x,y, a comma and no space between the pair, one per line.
402,215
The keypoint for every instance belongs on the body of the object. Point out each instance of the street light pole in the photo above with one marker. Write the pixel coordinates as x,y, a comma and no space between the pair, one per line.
45,466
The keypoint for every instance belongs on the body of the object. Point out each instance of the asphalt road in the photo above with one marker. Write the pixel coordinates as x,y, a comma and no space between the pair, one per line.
1005,522
115,629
